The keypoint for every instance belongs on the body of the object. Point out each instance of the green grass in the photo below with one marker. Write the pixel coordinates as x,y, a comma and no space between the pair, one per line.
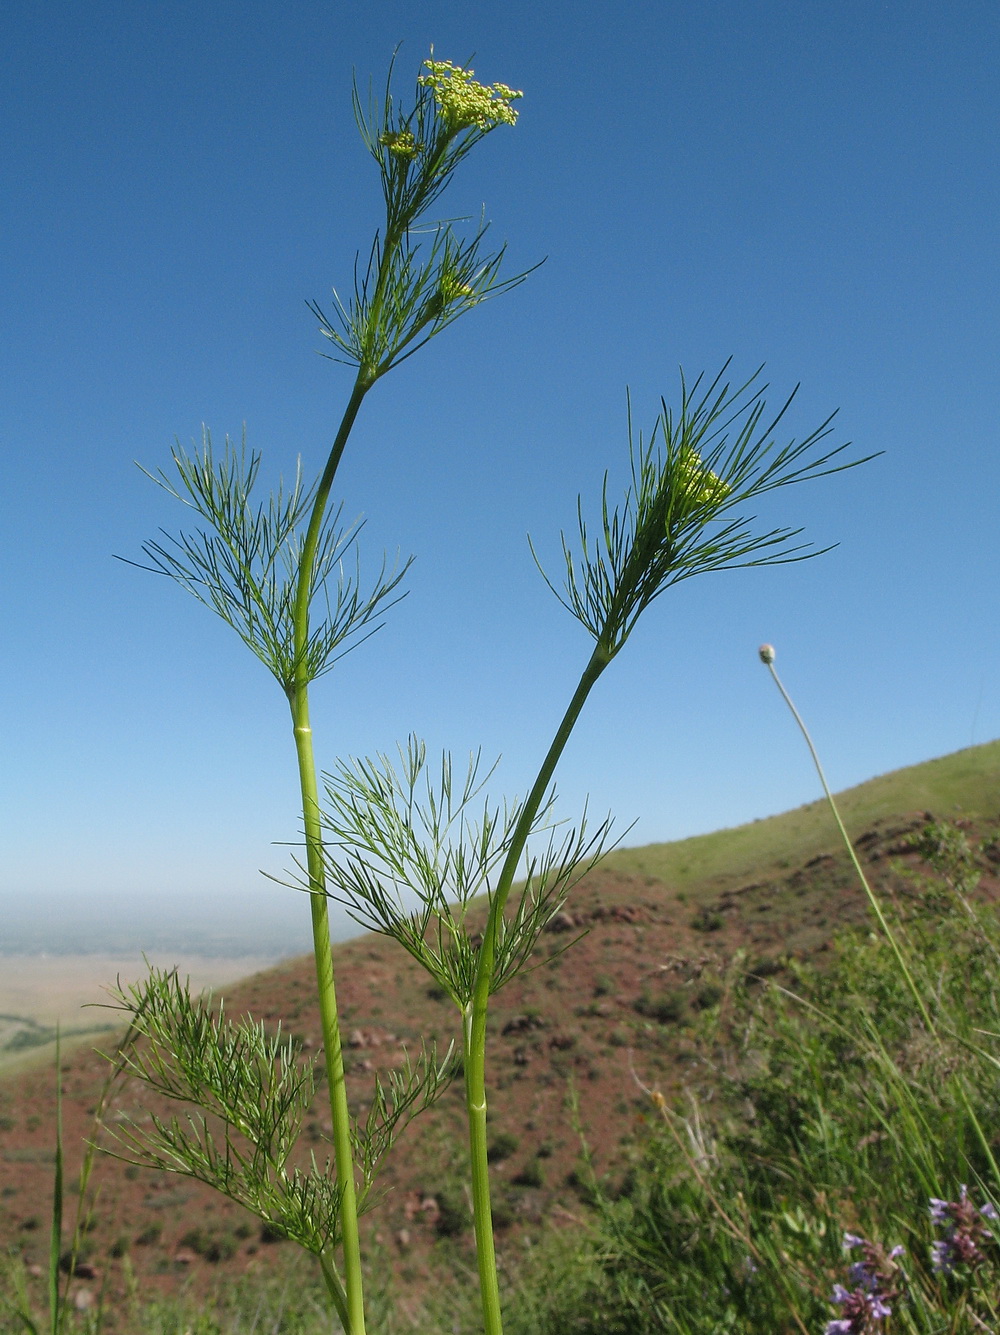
814,1107
815,1110
966,782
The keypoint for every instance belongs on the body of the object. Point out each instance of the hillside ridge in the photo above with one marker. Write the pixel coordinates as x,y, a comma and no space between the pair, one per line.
656,956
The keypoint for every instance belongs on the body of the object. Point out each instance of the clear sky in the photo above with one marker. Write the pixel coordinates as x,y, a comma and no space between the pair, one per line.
809,185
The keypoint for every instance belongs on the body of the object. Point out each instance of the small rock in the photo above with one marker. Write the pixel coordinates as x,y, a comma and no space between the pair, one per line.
403,1237
562,922
82,1299
520,1024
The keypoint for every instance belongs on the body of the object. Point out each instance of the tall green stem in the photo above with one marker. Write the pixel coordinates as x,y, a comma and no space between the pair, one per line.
303,593
475,1014
322,950
55,1237
351,1306
329,1017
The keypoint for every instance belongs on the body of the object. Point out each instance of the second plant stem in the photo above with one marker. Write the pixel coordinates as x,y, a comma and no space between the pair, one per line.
475,1014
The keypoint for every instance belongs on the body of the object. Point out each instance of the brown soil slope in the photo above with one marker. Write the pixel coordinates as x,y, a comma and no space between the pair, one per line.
614,1006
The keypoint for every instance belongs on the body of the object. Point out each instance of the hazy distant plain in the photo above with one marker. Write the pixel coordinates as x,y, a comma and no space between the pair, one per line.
52,965
50,988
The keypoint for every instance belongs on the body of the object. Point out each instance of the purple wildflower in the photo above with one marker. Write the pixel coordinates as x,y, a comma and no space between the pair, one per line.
873,1277
860,1274
940,1210
861,1309
964,1235
941,1257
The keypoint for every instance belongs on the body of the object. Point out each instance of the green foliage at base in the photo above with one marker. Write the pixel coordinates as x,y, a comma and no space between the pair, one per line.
830,1111
819,1109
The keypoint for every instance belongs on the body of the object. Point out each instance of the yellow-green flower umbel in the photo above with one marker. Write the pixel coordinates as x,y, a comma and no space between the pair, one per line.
465,104
697,484
401,143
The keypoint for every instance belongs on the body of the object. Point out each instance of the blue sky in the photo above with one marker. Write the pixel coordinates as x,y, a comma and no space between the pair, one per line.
808,185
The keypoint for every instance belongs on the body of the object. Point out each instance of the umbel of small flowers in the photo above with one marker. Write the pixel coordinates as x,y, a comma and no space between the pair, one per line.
965,1231
463,102
420,275
875,1277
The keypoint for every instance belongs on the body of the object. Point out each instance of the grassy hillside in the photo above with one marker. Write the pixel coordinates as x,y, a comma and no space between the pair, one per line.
966,783
666,932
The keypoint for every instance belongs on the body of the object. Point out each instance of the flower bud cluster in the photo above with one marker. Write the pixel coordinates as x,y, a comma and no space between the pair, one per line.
465,104
698,484
401,143
453,289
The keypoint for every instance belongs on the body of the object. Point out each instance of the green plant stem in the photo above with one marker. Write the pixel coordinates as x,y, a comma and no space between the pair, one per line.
353,1315
872,898
475,1015
303,593
55,1240
352,1291
329,1018
335,1289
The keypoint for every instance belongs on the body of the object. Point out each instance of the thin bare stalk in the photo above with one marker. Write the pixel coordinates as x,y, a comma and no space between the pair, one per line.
767,658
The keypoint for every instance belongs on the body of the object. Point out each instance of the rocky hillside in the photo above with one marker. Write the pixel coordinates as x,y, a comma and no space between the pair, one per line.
623,979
